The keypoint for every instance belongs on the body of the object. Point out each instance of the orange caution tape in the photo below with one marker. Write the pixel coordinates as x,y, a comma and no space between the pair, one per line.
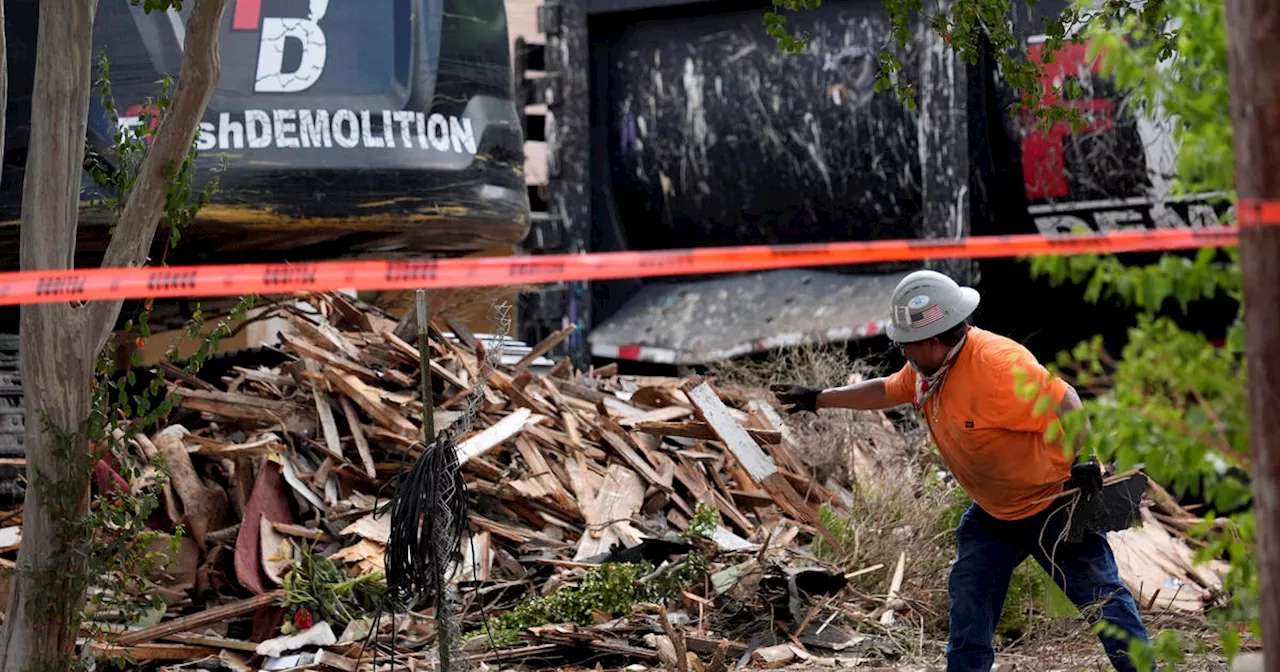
1254,213
174,281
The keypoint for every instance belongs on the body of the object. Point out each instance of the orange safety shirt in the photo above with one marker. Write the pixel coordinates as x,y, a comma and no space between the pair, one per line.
988,435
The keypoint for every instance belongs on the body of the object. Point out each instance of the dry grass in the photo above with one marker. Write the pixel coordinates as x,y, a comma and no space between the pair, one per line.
819,365
908,514
842,445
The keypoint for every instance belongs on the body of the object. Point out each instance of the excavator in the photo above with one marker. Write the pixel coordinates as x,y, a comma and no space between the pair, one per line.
347,129
344,129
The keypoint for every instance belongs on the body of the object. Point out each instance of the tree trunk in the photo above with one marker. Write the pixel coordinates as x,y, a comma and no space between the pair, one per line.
56,355
60,342
4,83
144,207
1252,49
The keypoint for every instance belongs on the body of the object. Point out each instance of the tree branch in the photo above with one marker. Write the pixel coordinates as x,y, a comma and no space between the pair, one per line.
144,207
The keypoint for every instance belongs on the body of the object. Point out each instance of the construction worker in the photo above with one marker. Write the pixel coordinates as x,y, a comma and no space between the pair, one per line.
962,380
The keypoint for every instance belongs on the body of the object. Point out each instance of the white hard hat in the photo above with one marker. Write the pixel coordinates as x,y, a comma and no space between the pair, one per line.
928,303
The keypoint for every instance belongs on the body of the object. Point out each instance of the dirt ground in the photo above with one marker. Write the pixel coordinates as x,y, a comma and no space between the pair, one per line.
1076,653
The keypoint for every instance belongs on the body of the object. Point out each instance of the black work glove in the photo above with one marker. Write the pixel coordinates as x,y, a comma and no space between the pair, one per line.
1088,477
797,397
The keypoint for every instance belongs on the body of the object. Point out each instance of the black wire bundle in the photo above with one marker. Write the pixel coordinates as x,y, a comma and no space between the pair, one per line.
428,519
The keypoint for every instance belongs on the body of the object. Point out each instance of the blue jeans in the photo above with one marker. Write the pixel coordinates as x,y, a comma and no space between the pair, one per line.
989,549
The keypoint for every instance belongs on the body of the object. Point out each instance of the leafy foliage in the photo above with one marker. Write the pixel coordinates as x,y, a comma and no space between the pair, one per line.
182,200
324,589
776,24
1182,73
112,538
611,588
157,5
703,524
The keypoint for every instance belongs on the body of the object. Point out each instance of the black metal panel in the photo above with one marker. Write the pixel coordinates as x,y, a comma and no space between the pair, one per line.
719,138
605,6
944,150
568,132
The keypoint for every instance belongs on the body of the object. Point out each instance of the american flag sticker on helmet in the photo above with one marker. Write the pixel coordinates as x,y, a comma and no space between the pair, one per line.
927,316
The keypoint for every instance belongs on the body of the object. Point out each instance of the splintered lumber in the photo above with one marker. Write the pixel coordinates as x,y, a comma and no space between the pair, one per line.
544,347
545,475
357,435
657,415
760,466
328,426
436,368
495,436
618,439
697,430
716,415
199,620
369,400
241,406
323,333
318,355
608,511
154,652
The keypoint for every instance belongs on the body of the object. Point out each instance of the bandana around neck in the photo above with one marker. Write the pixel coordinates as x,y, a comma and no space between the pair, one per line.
926,385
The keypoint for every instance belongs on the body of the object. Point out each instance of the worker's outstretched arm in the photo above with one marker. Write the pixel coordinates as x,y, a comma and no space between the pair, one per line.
864,396
867,395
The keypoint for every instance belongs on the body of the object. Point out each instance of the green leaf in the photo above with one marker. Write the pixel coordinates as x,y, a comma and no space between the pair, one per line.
1042,404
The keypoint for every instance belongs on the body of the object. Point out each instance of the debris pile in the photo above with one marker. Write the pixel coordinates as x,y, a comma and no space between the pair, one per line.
597,503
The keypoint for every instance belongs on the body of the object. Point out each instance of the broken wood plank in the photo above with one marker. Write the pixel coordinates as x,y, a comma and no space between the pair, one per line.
716,415
328,426
198,620
357,436
495,435
543,347
760,466
658,415
324,335
153,652
542,471
242,406
627,452
321,356
370,400
562,368
697,430
608,513
436,368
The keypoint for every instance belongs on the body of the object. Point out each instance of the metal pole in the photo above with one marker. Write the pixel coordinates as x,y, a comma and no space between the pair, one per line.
446,625
424,364
1252,51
